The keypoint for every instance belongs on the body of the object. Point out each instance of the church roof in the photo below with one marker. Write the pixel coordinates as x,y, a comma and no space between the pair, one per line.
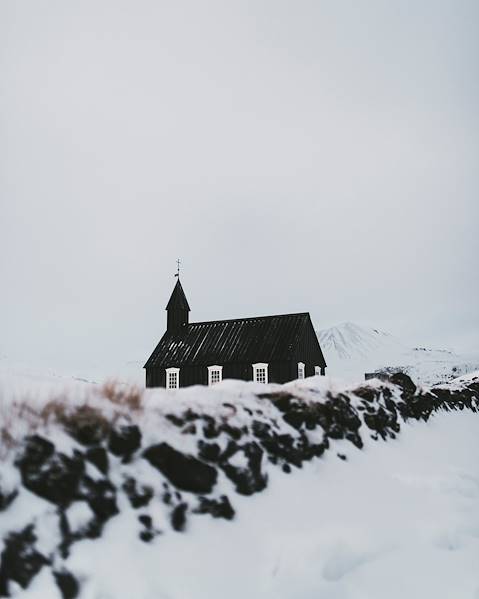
178,299
244,340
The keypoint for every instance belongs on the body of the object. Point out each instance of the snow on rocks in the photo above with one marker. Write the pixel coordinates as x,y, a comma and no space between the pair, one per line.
154,462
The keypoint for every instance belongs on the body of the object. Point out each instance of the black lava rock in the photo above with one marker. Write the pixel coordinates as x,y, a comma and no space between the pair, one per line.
6,498
53,476
218,508
210,428
99,457
184,471
139,495
178,517
86,425
125,440
249,479
405,382
67,583
20,561
210,452
100,496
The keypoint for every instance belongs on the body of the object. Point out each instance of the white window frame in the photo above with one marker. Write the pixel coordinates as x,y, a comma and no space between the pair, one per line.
256,370
301,370
212,371
317,370
169,376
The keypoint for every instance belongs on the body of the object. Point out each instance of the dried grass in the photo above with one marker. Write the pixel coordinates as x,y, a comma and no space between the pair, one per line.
125,396
92,416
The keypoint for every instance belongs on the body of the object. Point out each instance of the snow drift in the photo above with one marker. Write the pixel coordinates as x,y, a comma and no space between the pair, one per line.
111,492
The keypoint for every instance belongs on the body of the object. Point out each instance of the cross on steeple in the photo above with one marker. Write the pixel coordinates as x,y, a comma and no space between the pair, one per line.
178,262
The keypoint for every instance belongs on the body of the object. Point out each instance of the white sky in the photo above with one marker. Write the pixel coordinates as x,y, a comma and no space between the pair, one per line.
313,156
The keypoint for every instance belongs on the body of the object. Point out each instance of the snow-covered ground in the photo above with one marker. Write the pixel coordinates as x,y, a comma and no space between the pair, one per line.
352,350
395,519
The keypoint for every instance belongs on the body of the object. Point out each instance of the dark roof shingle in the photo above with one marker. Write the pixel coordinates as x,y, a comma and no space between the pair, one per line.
244,340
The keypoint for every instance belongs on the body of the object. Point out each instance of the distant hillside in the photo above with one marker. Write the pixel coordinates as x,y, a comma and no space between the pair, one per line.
349,341
352,350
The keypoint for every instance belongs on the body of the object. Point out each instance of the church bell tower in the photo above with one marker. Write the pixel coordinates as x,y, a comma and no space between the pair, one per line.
177,309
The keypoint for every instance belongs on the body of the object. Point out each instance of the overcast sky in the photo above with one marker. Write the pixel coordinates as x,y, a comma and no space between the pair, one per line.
315,156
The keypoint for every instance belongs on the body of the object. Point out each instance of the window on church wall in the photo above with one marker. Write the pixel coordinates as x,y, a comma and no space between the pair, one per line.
172,378
260,373
300,370
215,374
317,370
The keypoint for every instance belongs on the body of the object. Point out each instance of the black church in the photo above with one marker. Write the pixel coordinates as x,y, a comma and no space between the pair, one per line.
265,349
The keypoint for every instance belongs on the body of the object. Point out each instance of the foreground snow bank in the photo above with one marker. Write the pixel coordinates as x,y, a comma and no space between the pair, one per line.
218,492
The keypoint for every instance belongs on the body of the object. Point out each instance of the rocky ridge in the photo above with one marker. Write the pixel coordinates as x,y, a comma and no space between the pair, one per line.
80,464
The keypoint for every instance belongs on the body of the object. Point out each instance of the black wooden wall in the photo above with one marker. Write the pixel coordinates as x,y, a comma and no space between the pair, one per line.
308,351
278,372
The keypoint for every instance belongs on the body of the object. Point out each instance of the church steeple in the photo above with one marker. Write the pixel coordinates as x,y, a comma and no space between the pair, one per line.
177,309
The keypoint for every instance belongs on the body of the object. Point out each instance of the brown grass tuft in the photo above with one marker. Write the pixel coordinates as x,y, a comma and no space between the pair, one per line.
130,397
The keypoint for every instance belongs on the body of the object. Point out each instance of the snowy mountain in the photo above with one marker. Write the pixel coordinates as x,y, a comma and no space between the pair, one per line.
352,350
351,341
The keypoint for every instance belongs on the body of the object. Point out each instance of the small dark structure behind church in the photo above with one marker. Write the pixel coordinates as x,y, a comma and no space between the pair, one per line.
273,349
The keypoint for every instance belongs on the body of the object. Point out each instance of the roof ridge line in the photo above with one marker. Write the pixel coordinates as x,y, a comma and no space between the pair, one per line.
249,318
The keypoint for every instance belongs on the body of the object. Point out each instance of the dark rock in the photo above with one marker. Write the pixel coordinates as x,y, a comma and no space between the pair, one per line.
20,561
221,508
178,517
210,429
66,535
190,429
147,535
231,448
146,520
125,440
367,393
53,476
67,583
250,479
210,452
355,439
232,431
176,420
6,498
404,381
37,450
378,422
99,457
139,495
281,399
86,425
101,497
261,430
190,416
184,471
